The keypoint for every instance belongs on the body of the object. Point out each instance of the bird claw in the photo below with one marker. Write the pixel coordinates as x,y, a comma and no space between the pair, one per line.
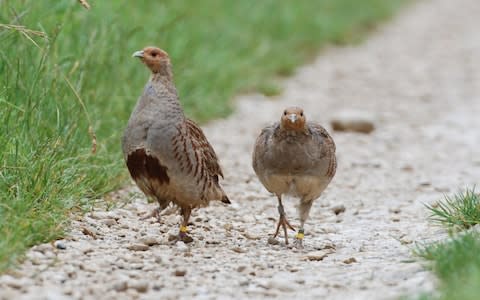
183,237
155,213
282,221
298,243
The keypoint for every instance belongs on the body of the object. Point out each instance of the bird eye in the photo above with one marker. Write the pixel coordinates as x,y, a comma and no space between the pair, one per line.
285,113
301,114
154,54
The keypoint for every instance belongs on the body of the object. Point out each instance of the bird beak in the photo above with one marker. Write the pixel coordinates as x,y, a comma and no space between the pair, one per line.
138,54
292,117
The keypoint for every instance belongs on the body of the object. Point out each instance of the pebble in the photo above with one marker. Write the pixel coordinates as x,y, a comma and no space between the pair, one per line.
42,248
59,245
87,230
140,286
350,260
405,240
239,250
11,281
99,215
251,236
395,210
249,219
120,286
328,229
109,222
8,293
280,284
241,268
355,121
338,209
87,249
273,241
88,267
138,247
317,255
36,256
181,246
180,273
149,241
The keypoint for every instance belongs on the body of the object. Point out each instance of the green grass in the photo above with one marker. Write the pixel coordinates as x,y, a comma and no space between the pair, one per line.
80,75
456,262
461,211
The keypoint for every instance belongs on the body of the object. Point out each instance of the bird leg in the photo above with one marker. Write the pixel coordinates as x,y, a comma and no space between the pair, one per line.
299,238
182,235
304,210
282,221
155,213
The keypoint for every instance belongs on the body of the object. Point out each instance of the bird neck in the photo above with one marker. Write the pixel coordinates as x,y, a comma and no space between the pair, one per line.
163,74
161,85
162,80
291,129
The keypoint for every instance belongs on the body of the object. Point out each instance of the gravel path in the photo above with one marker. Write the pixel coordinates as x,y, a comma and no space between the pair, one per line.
419,80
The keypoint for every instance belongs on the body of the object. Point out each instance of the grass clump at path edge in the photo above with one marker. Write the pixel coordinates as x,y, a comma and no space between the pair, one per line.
76,75
456,262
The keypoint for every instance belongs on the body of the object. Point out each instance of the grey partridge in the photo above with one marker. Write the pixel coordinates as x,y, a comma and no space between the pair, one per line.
167,154
294,157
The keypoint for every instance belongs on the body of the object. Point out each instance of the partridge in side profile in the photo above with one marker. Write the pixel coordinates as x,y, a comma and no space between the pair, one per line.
294,157
167,154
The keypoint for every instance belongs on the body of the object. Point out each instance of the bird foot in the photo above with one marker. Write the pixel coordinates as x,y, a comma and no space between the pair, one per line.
182,236
282,221
153,214
298,243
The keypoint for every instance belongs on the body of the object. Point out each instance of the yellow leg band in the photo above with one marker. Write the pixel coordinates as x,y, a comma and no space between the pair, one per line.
300,234
183,229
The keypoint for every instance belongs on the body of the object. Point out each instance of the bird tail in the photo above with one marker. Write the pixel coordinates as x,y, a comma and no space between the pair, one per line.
225,199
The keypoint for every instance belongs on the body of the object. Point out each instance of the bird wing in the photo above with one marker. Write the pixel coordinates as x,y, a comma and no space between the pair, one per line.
260,149
327,146
203,147
322,136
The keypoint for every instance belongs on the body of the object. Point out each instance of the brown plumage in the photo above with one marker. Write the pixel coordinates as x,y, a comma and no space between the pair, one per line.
167,154
296,158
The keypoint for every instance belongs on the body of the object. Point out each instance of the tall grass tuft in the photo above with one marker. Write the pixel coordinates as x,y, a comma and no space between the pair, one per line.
457,264
462,210
456,261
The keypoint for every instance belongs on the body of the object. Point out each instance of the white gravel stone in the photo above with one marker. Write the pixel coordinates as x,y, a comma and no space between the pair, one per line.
317,255
109,222
181,246
138,247
149,241
60,245
140,286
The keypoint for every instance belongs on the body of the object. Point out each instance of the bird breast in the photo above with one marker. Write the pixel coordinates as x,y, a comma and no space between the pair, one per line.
291,157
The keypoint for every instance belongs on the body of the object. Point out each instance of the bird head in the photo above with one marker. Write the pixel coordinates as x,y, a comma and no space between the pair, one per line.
154,58
293,118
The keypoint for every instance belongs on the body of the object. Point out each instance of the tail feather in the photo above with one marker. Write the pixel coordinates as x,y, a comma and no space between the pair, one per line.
226,200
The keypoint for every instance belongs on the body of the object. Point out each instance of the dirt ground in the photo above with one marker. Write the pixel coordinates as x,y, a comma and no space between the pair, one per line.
417,79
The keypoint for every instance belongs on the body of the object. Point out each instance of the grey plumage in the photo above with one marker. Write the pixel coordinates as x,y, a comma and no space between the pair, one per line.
166,153
296,158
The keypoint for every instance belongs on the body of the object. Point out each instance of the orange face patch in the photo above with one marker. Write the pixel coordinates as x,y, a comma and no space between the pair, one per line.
293,118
